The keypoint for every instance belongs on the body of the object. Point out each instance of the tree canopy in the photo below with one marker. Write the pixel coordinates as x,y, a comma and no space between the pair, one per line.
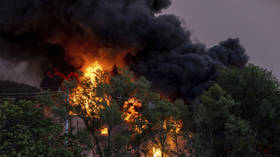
24,131
120,115
238,116
257,91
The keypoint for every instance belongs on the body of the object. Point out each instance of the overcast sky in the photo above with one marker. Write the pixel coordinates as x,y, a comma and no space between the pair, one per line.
255,22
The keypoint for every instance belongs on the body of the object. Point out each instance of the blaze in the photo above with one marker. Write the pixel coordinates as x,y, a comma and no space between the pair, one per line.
131,112
86,97
91,105
91,70
157,152
132,107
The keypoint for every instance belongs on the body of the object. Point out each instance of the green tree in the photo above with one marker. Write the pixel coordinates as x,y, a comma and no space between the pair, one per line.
257,91
218,132
24,131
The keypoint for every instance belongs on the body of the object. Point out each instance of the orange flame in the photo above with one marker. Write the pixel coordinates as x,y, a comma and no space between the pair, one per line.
177,125
131,112
104,131
90,103
132,107
85,97
90,71
156,152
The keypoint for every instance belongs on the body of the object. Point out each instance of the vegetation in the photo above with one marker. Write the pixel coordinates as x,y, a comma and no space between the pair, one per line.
257,91
120,116
136,118
25,132
218,131
238,116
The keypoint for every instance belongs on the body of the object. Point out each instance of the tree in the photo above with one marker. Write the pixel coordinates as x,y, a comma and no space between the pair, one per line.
136,118
218,132
24,131
257,91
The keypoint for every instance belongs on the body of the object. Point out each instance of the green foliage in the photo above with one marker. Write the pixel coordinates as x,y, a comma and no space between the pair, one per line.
25,132
257,91
240,138
218,132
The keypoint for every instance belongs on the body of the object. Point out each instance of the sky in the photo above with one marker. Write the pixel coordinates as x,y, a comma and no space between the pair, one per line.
255,22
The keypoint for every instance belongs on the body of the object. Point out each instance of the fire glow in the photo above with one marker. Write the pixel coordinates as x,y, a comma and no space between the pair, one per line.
157,152
175,125
131,109
85,97
104,131
132,106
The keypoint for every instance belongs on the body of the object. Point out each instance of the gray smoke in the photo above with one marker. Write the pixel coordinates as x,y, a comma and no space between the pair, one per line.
164,53
20,72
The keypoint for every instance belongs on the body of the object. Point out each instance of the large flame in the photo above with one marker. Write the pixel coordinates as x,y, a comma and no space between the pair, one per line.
91,70
85,97
89,102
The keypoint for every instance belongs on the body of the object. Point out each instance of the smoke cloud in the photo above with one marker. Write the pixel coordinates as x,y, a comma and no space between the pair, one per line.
20,72
253,21
52,33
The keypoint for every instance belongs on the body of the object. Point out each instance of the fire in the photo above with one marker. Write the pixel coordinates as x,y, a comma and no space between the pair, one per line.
87,98
132,107
131,112
90,71
104,131
177,125
91,106
157,152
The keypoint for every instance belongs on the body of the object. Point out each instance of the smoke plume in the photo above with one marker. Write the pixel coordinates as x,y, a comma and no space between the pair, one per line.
56,34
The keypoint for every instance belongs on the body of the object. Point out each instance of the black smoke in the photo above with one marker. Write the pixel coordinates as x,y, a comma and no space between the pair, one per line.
188,70
163,50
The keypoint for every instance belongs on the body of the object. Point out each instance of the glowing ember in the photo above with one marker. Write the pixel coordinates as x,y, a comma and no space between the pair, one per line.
156,152
190,136
104,131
